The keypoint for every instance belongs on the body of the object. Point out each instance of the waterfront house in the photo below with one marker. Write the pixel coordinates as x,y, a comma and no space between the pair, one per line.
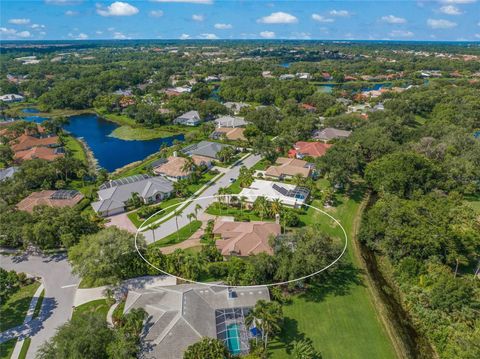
182,315
204,149
114,195
174,167
190,118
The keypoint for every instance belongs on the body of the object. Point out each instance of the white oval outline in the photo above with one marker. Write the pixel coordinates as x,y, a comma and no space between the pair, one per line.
241,286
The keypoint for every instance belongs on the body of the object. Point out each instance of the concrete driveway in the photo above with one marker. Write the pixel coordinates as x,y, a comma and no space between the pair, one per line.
121,221
169,226
60,286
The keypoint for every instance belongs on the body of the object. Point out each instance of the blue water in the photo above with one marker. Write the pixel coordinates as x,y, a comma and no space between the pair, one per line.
328,88
233,339
111,153
30,110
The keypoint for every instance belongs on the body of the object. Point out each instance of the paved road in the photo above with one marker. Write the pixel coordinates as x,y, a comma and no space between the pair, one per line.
170,226
57,303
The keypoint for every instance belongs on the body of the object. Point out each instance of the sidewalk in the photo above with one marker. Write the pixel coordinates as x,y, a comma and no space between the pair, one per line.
18,329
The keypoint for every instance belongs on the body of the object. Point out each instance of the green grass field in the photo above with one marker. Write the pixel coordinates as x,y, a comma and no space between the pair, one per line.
183,234
338,316
6,348
74,146
13,311
99,307
137,221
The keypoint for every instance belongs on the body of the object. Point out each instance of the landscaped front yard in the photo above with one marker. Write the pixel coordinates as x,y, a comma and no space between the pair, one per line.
183,234
13,311
98,307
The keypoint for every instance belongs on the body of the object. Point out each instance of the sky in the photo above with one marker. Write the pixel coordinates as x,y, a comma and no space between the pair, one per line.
432,20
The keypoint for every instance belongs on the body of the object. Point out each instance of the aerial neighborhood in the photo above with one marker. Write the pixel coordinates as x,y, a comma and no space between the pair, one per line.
217,199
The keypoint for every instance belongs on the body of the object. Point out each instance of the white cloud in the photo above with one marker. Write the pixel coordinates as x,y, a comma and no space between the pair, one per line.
184,36
202,2
37,26
392,19
440,24
110,28
278,18
401,33
450,10
19,21
117,35
198,17
14,34
267,34
71,13
342,13
156,13
118,8
99,32
320,18
223,26
301,35
208,36
82,36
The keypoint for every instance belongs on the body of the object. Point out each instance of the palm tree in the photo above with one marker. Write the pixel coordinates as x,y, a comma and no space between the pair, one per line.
190,216
188,166
267,316
242,201
275,206
197,208
303,349
175,213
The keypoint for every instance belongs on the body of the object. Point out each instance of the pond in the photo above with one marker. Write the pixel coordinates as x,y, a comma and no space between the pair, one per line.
111,152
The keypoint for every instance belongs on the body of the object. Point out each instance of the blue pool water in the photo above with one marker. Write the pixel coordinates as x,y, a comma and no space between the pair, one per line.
233,339
111,153
30,110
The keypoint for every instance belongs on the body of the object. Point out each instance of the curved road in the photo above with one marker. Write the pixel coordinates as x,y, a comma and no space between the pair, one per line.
169,226
60,286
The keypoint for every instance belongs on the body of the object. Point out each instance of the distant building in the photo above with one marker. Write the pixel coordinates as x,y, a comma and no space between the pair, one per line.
288,168
59,199
303,75
232,134
182,315
205,149
245,238
303,149
287,77
11,97
6,173
212,78
190,118
121,92
329,133
113,195
236,107
230,121
288,194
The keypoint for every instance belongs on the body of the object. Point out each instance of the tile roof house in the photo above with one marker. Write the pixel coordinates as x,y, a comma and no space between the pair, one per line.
113,195
289,167
232,134
182,315
173,167
25,142
288,194
44,153
60,199
245,238
329,133
6,173
311,149
230,121
204,149
190,118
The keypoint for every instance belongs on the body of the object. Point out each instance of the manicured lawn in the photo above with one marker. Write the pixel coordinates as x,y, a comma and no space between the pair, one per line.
338,316
13,311
6,348
183,234
25,346
141,133
215,210
98,307
74,146
137,221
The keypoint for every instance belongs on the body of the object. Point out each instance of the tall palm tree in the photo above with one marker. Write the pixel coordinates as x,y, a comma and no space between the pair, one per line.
275,206
190,216
175,213
267,316
242,200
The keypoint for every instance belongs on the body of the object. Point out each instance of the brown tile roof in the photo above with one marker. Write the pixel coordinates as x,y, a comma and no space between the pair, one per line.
45,153
312,149
44,198
245,238
288,167
233,134
25,142
173,167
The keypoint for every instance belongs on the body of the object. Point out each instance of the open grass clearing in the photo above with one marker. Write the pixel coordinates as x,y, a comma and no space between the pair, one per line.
13,311
98,307
181,235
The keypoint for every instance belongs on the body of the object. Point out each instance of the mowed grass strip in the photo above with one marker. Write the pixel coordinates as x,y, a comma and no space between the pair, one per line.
98,307
338,316
13,311
183,234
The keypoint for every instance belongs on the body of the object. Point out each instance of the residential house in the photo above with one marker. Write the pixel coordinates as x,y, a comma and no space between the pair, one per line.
25,142
190,118
287,77
303,75
329,133
11,97
288,168
174,167
113,195
245,238
205,149
288,194
326,76
236,107
6,173
230,121
60,199
44,153
303,149
232,134
308,107
182,315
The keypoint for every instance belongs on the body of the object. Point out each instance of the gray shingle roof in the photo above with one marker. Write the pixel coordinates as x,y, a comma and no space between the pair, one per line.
204,148
7,173
330,133
230,121
181,315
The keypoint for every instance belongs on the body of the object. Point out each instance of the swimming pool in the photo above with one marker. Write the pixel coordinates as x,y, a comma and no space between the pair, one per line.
233,338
